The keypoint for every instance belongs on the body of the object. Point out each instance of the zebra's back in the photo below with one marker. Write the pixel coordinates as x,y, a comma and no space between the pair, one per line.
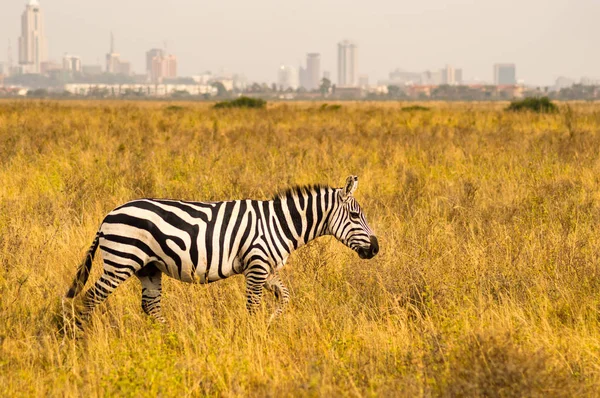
190,241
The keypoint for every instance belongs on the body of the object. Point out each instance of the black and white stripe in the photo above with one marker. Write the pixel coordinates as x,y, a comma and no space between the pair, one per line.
203,242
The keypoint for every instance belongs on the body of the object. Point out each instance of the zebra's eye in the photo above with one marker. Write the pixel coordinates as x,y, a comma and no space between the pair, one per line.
354,214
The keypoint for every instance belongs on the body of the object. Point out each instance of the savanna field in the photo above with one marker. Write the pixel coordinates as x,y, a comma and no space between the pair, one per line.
487,283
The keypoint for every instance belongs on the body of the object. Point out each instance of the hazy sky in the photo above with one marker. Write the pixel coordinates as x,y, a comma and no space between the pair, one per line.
545,38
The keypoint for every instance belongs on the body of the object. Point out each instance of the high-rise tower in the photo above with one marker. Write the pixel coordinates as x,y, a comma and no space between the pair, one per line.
505,74
113,61
32,43
347,64
313,70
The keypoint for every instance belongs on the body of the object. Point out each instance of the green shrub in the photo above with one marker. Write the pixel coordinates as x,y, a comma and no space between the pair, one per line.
242,102
327,107
174,108
533,104
415,108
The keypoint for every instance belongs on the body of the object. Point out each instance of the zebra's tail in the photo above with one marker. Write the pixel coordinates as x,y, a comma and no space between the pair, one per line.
83,272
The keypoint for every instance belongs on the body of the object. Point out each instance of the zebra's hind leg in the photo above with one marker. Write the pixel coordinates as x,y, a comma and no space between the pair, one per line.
281,292
256,276
151,278
103,287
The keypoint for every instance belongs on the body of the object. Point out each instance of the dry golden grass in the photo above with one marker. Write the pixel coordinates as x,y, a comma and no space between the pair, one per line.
487,284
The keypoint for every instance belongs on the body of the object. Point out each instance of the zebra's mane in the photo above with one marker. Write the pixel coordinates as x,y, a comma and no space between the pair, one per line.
298,190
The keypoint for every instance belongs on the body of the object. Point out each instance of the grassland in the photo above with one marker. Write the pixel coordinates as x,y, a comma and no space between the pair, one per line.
487,284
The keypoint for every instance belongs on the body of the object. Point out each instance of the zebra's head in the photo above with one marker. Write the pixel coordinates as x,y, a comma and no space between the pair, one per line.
349,224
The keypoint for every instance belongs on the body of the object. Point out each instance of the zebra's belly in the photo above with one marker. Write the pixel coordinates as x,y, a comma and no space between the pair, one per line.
202,273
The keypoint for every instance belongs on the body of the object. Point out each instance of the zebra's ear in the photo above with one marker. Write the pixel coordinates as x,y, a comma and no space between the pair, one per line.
351,185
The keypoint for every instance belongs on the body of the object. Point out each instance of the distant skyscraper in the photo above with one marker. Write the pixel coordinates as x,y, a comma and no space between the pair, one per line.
112,58
155,52
124,68
432,78
458,76
313,71
302,77
114,64
32,43
9,59
401,77
347,64
49,67
448,75
505,74
162,67
171,66
563,82
71,63
451,75
287,78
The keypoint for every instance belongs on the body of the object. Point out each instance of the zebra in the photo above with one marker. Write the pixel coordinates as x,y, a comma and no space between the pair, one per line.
203,242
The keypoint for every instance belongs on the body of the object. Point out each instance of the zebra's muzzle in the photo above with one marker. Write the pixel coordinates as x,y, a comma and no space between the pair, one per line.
369,252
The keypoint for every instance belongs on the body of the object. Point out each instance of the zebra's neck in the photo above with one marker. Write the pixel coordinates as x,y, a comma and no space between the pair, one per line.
303,214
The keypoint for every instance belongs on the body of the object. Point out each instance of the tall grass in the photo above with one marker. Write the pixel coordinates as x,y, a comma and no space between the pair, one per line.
487,283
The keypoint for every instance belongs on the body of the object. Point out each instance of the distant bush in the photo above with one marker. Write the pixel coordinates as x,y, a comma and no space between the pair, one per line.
415,108
242,102
533,104
174,108
39,93
327,107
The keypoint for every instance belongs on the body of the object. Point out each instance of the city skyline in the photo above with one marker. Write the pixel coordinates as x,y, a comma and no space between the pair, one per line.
546,54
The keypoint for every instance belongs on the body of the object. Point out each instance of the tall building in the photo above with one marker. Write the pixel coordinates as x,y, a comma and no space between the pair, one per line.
32,43
505,74
313,71
287,78
458,76
150,55
50,67
432,78
162,67
448,76
71,63
114,64
451,75
112,58
9,60
402,77
347,64
302,77
124,68
171,66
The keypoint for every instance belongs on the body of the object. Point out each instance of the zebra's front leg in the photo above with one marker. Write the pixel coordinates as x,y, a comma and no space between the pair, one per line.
151,278
281,292
256,276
